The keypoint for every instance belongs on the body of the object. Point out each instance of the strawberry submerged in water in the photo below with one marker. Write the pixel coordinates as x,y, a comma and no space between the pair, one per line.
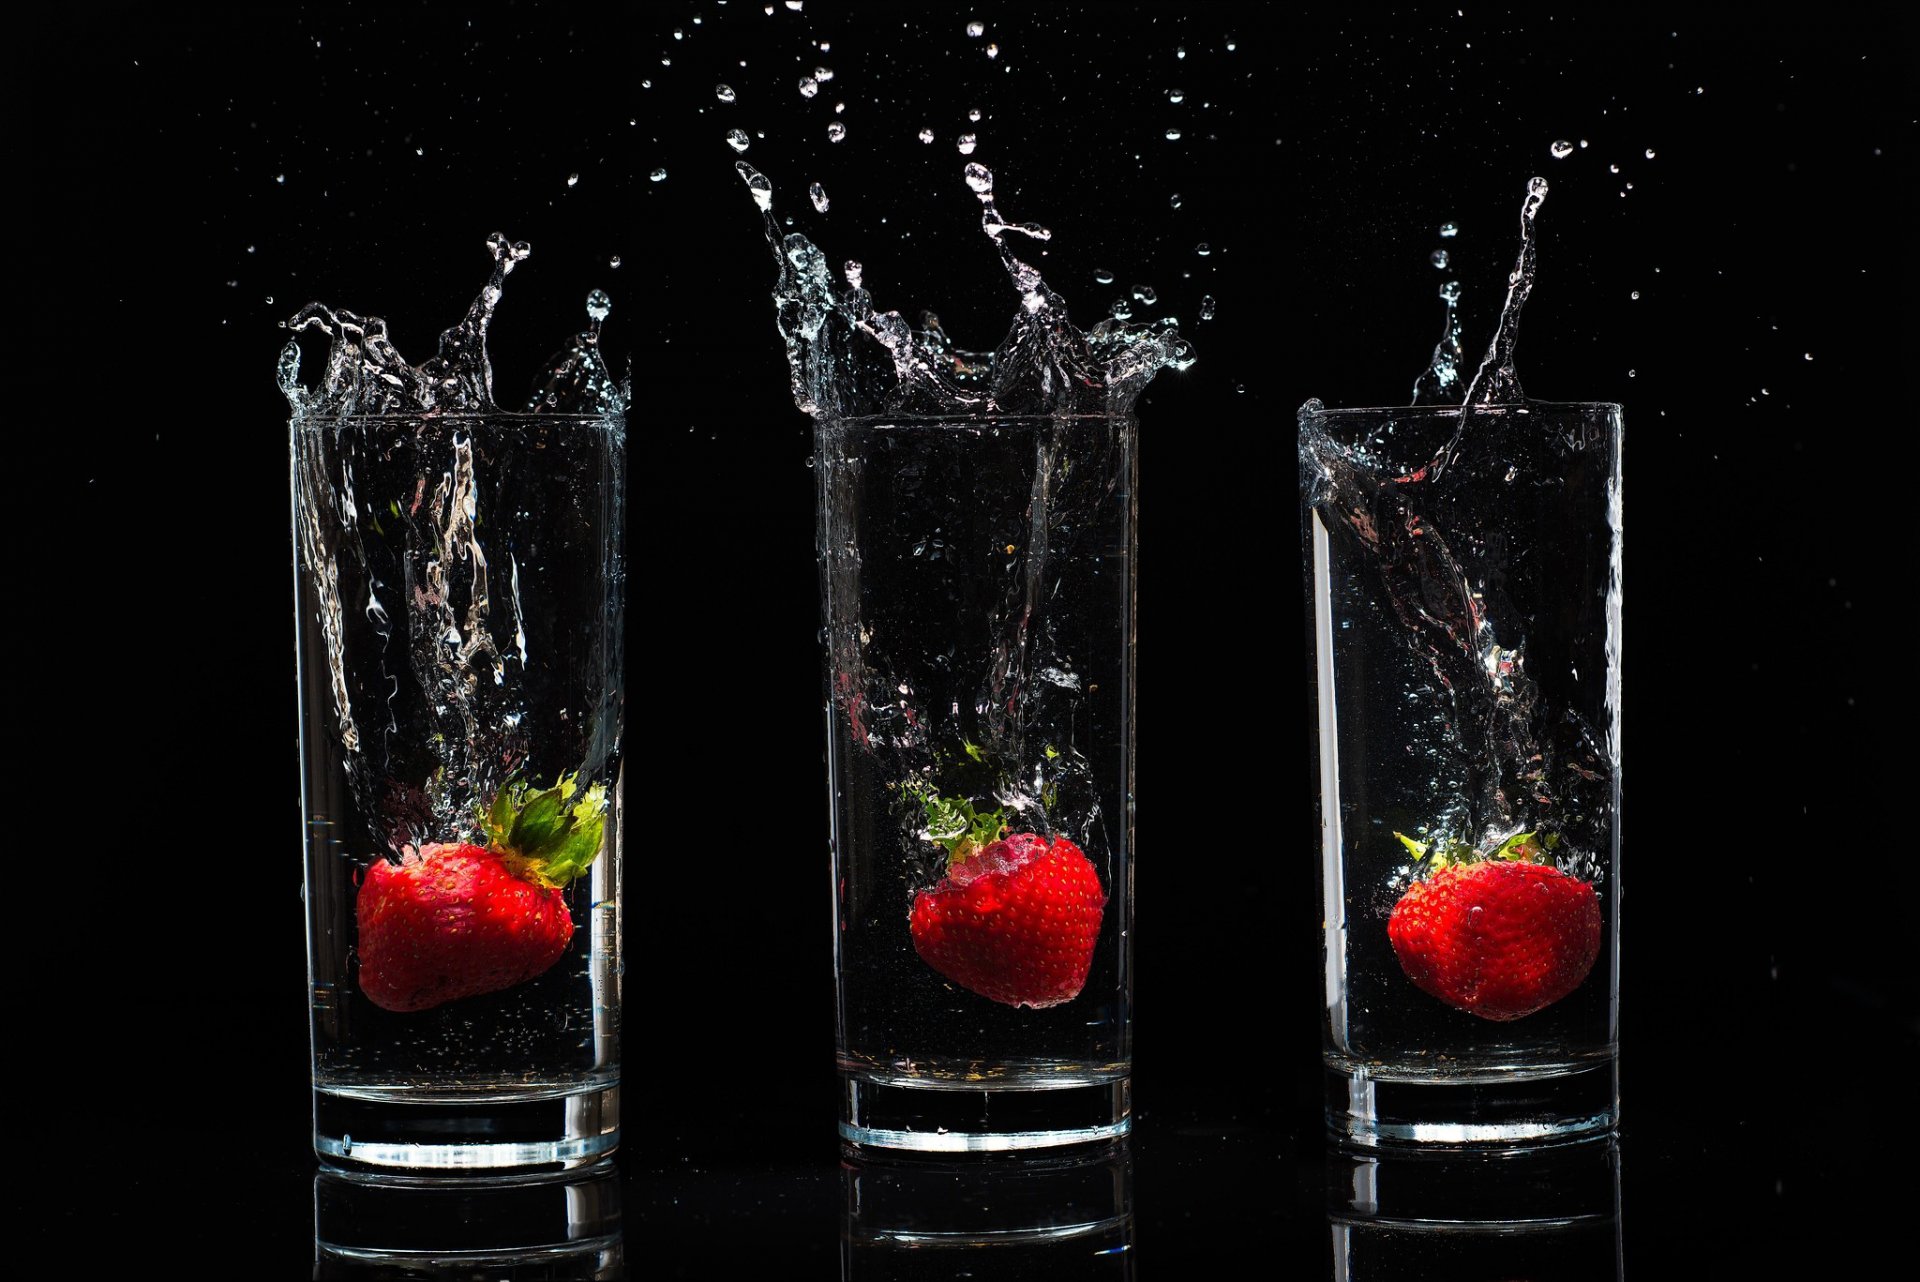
1017,915
1500,936
454,920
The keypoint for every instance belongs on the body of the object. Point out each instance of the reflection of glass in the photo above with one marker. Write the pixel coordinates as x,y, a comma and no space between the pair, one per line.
458,587
1464,579
1549,1211
978,578
512,1227
1059,1217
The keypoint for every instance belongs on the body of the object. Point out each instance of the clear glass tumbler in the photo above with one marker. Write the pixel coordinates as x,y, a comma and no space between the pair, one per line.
1464,573
978,581
458,592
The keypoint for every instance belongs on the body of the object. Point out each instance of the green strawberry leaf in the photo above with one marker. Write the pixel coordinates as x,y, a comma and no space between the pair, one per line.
1522,846
1417,848
955,824
540,835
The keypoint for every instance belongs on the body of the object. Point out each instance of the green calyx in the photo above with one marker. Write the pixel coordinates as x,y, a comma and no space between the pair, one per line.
1450,852
956,826
545,835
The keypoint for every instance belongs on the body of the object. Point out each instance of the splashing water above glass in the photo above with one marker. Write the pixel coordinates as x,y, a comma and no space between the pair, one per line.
848,359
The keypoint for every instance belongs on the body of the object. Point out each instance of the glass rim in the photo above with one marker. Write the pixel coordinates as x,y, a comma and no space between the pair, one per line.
1455,411
982,419
432,416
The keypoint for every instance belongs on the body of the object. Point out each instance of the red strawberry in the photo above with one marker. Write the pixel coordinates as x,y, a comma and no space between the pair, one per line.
1014,919
456,920
1499,937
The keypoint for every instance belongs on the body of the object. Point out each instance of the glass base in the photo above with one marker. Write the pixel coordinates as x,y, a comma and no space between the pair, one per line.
943,1119
1496,1111
401,1129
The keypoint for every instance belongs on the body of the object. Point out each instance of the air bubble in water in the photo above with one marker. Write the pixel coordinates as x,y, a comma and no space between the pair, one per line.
724,93
966,144
926,135
1449,230
1439,259
836,131
658,175
809,86
819,195
976,29
1102,276
737,139
1206,307
1561,150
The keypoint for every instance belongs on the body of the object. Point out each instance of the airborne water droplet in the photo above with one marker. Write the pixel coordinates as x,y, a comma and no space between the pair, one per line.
658,175
993,51
1173,135
836,131
1174,200
599,306
926,135
1649,153
724,93
1104,277
1635,294
823,74
808,86
980,178
1206,307
1176,96
737,139
976,29
1146,294
819,196
614,262
966,144
1449,230
573,180
1561,150
1203,249
1439,259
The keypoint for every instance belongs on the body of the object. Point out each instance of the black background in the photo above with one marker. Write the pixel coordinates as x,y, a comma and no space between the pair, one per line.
190,180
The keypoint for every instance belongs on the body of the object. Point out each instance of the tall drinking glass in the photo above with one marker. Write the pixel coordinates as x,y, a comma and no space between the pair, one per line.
458,588
978,581
1464,577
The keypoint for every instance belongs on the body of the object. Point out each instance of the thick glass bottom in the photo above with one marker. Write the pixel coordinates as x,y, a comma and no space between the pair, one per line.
408,1130
945,1117
1490,1110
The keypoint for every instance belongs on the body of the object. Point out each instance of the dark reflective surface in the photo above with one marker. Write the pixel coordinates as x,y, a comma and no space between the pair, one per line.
524,1229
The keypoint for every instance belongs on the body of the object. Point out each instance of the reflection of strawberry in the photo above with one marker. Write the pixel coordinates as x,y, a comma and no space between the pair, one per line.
1015,918
1499,937
457,920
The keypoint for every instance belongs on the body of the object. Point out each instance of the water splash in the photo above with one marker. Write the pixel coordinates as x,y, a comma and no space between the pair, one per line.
847,359
1439,383
1497,382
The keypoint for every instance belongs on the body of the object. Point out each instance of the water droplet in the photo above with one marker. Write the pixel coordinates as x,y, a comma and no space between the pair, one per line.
280,178
269,298
599,306
976,29
1179,51
346,1144
1174,200
819,195
1631,374
1474,914
1231,46
1104,277
1146,294
823,74
1176,96
614,262
980,178
973,113
1649,153
809,86
1613,169
1121,309
724,93
573,180
1561,150
1439,259
1583,144
1809,355
854,272
1634,295
658,175
737,139
926,135
993,51
1203,249
836,131
966,144
1449,230
794,5
1206,307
